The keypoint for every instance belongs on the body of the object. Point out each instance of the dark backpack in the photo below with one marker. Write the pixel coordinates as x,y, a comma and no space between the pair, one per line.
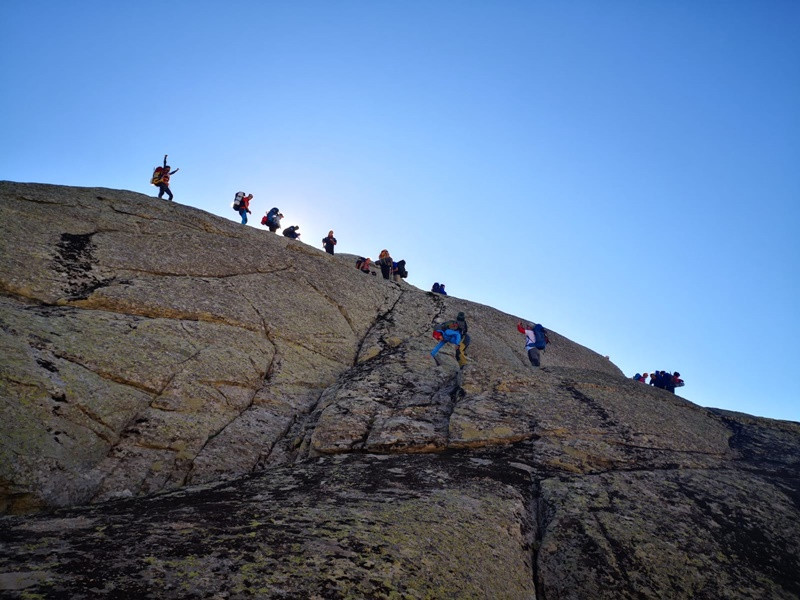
540,336
660,380
447,325
237,201
270,218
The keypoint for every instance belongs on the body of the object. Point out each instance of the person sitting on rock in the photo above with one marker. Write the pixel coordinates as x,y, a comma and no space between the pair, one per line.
447,332
659,379
436,289
441,290
291,232
362,264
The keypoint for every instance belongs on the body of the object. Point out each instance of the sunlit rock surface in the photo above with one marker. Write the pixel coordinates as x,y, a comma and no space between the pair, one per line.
271,424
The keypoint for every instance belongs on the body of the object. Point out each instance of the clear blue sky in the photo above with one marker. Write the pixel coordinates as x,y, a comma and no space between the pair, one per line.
624,172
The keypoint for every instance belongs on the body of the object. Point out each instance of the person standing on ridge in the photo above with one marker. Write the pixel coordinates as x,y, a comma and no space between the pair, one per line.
385,261
163,183
242,205
329,242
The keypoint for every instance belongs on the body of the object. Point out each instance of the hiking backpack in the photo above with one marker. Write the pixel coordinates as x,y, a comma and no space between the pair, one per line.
237,201
270,218
157,173
540,336
401,269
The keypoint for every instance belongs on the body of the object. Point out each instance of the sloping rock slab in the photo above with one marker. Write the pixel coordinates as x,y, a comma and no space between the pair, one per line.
433,526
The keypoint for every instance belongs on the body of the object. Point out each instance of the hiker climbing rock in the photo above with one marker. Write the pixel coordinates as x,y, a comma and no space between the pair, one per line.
241,204
272,219
447,332
535,340
161,177
291,232
385,262
329,242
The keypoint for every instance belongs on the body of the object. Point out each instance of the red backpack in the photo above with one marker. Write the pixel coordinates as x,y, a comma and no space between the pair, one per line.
158,172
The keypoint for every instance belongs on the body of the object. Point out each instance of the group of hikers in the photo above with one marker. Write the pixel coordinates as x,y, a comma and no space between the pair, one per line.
394,271
661,379
455,332
450,332
241,204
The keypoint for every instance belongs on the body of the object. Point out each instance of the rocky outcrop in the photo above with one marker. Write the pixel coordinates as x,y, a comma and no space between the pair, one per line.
148,346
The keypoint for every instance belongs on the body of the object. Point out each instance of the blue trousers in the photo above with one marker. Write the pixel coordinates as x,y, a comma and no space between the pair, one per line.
243,213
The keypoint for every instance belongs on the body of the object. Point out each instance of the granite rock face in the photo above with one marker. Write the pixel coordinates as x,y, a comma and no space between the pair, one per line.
268,422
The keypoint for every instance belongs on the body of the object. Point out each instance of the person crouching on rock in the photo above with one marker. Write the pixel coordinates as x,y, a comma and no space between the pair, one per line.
447,332
291,232
272,219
